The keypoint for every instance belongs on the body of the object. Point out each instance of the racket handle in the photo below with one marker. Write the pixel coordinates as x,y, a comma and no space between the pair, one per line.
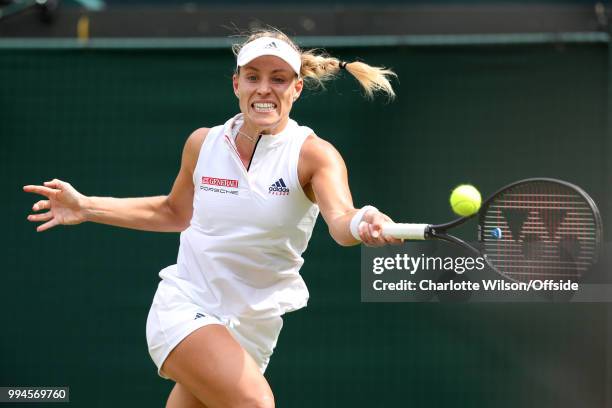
406,231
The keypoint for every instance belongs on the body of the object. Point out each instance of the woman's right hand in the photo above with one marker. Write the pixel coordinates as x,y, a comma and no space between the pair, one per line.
65,204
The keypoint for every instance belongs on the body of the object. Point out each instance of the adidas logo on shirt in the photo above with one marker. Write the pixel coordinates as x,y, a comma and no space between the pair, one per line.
198,315
279,188
270,45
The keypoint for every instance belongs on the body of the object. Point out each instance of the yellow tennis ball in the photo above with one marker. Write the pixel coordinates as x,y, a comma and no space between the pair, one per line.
465,200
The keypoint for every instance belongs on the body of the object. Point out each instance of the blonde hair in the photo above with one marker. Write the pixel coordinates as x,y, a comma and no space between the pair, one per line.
318,67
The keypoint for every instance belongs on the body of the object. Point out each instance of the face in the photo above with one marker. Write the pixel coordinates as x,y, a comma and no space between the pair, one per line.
266,88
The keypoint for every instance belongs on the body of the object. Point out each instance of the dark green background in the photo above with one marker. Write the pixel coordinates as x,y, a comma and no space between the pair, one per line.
74,300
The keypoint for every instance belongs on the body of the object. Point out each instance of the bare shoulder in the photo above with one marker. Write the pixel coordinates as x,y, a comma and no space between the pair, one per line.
317,152
193,145
195,139
318,155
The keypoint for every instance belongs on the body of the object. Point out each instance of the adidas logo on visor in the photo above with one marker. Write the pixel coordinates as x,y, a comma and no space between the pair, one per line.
279,188
269,46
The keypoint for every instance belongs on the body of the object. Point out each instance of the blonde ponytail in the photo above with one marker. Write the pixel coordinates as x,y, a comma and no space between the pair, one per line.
317,67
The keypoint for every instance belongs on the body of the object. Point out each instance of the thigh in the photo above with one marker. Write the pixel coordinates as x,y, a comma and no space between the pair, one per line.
258,337
180,397
217,370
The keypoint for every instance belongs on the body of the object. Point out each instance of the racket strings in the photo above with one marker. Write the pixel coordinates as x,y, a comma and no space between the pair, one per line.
540,230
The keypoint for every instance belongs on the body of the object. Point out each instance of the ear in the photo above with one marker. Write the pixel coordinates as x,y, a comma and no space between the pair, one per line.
235,84
299,85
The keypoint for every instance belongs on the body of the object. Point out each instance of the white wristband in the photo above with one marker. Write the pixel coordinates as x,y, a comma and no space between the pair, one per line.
356,220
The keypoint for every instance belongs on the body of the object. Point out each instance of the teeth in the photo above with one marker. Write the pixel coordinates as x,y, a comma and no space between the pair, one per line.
264,107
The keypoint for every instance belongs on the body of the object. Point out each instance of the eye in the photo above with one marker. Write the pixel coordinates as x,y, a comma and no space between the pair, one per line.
251,77
278,80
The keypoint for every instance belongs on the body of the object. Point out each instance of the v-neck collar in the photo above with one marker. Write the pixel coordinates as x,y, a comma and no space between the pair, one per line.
267,141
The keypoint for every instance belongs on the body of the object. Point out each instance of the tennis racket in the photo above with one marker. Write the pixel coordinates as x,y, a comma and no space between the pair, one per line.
538,228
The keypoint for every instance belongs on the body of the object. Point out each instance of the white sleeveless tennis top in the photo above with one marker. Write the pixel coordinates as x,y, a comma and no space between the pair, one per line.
241,254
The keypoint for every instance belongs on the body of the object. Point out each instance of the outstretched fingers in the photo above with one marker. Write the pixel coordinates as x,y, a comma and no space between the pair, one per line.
47,225
41,205
40,217
42,190
49,190
55,183
46,216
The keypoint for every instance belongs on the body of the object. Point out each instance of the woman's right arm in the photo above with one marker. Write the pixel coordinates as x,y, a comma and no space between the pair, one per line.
170,213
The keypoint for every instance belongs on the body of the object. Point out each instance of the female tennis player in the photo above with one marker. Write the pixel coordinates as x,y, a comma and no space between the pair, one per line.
245,200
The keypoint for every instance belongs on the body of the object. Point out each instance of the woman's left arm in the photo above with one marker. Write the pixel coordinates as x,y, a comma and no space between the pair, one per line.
324,177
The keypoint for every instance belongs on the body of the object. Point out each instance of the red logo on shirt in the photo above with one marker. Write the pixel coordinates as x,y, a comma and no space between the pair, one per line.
213,181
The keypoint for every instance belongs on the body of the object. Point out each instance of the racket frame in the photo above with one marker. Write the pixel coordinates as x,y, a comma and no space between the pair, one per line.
597,216
439,231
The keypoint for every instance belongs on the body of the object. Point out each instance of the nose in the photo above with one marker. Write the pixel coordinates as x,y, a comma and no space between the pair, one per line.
264,87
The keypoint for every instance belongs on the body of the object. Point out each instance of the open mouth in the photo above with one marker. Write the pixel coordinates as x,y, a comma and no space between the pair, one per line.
263,107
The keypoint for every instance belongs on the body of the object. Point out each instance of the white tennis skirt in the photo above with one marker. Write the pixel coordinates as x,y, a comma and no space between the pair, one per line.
173,316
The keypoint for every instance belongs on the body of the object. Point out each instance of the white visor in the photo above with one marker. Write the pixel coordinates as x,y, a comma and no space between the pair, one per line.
270,46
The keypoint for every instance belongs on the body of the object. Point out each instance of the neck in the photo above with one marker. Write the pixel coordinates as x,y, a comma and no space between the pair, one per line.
254,131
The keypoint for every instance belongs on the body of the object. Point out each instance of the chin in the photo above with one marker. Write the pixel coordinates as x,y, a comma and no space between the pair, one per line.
265,120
